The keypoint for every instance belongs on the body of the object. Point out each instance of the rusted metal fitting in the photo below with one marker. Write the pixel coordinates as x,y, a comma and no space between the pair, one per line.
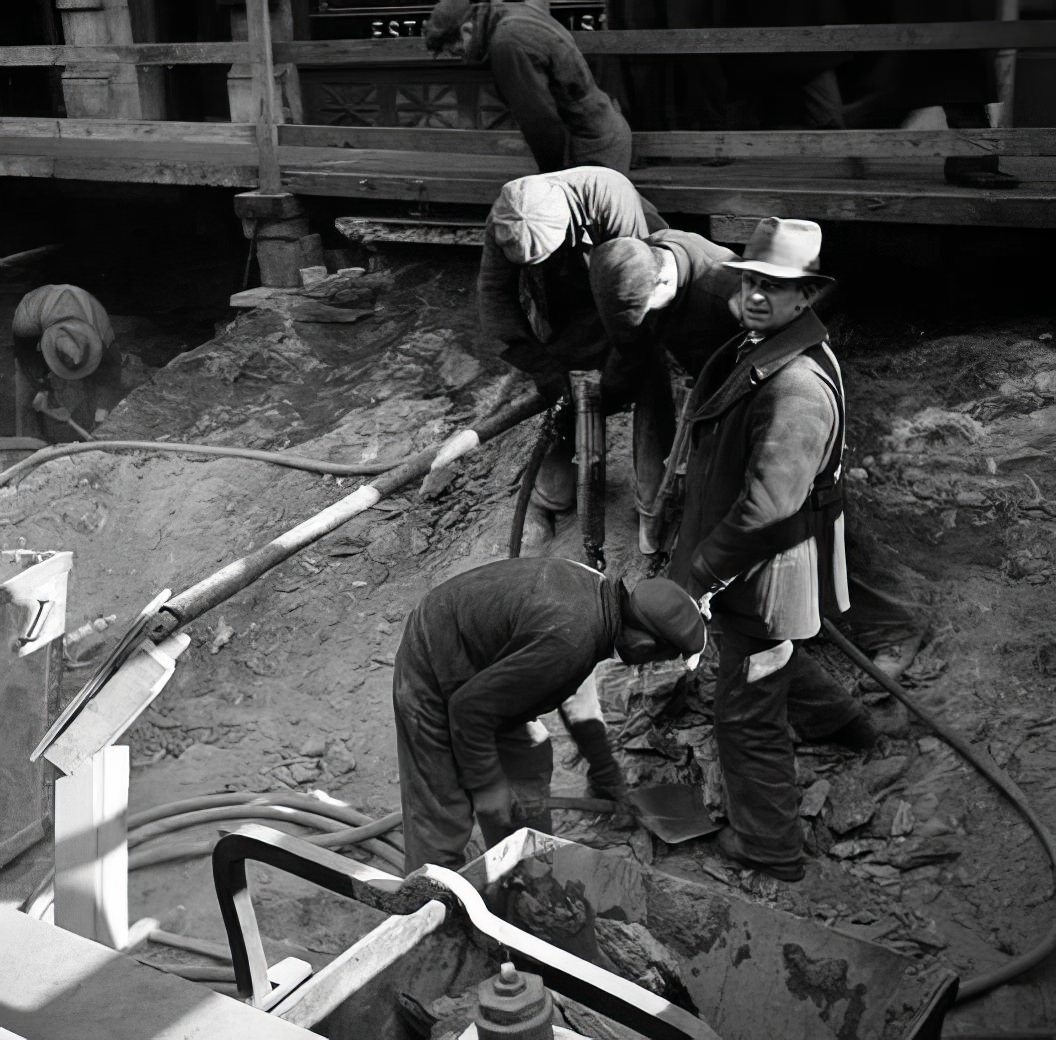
514,1005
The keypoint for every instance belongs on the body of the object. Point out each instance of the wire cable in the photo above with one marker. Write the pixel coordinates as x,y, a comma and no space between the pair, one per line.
980,984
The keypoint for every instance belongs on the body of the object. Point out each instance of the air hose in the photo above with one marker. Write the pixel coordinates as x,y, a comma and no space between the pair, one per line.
341,825
277,458
980,984
547,433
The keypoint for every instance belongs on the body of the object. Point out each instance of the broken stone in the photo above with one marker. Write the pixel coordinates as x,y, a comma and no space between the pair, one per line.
340,760
904,820
814,798
302,772
856,848
222,635
920,852
850,805
313,747
883,772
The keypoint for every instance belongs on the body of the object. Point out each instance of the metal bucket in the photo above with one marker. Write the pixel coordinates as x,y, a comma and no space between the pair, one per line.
751,972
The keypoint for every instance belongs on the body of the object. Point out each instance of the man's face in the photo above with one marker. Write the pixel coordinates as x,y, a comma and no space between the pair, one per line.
768,304
465,35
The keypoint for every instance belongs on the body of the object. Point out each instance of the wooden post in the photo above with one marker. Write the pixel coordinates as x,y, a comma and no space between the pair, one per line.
106,90
289,107
259,22
1007,11
91,849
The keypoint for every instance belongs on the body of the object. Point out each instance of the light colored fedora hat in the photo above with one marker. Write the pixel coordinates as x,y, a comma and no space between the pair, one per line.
783,249
85,339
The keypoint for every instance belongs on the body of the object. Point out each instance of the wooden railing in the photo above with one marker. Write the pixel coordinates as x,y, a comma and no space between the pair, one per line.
269,136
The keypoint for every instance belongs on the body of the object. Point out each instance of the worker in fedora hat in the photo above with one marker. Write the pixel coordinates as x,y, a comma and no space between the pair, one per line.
485,653
761,538
65,358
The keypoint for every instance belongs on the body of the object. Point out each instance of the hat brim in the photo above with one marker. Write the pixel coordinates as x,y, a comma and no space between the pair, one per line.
776,270
62,370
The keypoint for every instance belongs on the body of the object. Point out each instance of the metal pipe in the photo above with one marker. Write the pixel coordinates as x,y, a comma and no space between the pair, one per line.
224,583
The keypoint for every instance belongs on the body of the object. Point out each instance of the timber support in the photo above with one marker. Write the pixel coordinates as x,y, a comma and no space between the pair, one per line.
277,224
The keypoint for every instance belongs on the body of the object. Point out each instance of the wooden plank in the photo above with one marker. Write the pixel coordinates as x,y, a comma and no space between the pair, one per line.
217,174
688,144
34,129
362,963
839,38
105,718
916,36
69,988
821,144
91,849
1005,66
259,22
419,139
218,53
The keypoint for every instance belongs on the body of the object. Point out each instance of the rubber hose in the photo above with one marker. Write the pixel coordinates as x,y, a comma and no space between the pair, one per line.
981,984
547,432
277,458
37,902
293,799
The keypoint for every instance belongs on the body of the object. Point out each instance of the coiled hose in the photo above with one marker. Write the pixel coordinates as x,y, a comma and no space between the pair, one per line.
342,827
980,984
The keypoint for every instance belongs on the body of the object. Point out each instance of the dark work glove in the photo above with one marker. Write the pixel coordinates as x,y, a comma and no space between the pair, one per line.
603,772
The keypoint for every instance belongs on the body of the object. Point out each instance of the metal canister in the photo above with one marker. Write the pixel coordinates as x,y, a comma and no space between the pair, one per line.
514,1005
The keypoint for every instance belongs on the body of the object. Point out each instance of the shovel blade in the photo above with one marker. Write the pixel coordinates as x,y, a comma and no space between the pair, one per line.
673,812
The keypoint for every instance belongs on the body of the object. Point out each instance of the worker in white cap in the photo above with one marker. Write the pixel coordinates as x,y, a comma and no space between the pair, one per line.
66,362
484,654
761,539
534,289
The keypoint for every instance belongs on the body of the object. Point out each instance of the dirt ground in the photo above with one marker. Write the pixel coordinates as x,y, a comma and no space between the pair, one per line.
286,686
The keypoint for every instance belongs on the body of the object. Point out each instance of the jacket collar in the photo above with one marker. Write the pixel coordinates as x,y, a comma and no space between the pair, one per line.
759,363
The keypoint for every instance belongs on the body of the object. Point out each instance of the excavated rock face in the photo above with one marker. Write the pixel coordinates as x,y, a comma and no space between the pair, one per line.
287,685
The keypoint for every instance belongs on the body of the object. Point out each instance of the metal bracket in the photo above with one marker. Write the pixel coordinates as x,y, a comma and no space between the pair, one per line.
601,990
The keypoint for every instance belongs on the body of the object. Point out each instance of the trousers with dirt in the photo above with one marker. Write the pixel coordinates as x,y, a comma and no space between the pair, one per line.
437,809
763,686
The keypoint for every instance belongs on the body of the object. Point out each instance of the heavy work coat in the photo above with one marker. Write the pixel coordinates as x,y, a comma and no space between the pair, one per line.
540,73
763,430
603,205
501,644
40,309
482,655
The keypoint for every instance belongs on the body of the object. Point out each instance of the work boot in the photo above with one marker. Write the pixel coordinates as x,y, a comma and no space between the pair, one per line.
730,847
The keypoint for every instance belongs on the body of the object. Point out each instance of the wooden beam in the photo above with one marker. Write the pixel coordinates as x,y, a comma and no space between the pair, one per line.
220,53
419,139
259,22
91,849
1036,34
917,36
687,144
33,129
